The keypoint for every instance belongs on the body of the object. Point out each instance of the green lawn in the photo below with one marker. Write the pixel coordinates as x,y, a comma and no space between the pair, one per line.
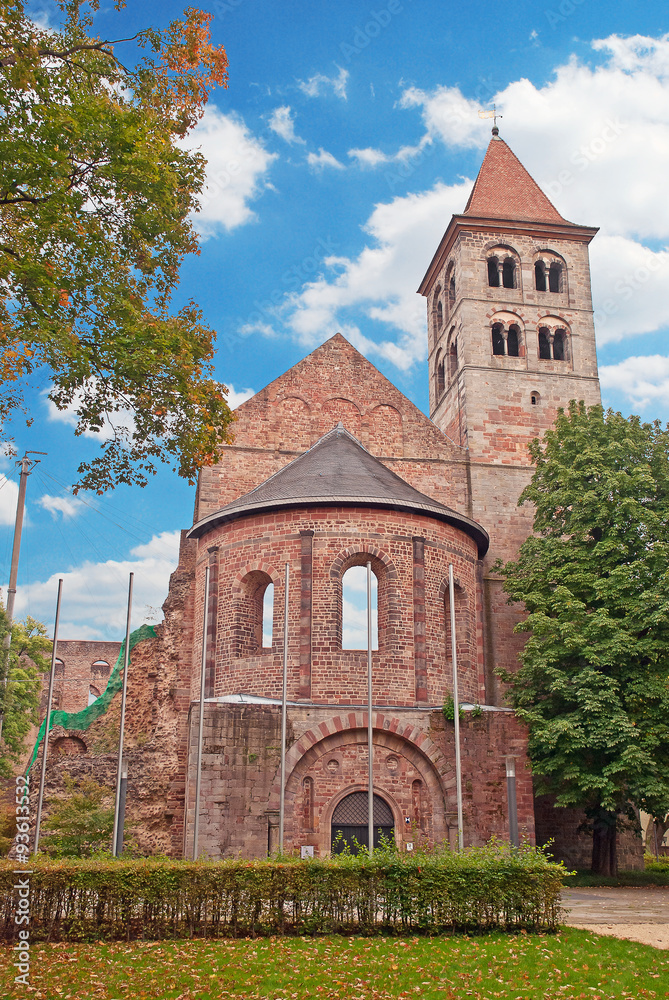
572,964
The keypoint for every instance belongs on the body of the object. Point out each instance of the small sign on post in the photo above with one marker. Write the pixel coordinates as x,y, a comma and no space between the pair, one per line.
306,851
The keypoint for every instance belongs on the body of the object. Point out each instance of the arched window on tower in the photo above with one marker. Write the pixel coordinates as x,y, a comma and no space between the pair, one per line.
509,273
440,377
453,360
544,344
513,342
497,339
493,272
354,609
451,294
555,277
440,315
540,276
560,345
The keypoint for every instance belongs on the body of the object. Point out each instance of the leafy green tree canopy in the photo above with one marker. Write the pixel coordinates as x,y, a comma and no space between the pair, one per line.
21,672
96,194
593,685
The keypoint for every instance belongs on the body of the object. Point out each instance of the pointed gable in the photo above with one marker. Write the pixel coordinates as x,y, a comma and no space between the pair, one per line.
335,382
505,190
338,471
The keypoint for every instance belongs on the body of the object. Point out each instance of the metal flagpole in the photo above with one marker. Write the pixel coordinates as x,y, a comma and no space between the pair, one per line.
47,724
27,465
456,708
119,816
370,749
200,731
284,695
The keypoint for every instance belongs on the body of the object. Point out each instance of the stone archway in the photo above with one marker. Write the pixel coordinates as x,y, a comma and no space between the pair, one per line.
349,824
410,773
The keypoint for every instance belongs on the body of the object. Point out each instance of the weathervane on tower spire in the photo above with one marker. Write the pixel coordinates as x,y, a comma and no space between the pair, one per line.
492,114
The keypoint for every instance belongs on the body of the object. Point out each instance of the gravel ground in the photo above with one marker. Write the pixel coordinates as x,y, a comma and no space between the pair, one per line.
637,914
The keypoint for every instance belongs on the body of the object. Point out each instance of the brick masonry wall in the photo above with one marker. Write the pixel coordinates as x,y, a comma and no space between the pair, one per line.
343,537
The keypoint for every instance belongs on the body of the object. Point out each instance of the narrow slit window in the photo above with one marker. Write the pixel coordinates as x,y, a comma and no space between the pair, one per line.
354,609
268,616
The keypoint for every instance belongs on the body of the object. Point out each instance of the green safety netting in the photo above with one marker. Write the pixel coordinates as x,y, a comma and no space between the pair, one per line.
84,718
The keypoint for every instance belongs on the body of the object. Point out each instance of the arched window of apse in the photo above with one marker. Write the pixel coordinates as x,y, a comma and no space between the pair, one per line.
354,605
268,615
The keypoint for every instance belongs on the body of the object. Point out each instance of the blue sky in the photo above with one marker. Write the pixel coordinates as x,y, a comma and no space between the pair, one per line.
348,136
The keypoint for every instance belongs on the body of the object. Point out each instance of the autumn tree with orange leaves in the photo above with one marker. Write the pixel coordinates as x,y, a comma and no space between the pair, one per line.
96,196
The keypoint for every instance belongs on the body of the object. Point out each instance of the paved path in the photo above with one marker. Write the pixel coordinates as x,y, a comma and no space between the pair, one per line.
638,914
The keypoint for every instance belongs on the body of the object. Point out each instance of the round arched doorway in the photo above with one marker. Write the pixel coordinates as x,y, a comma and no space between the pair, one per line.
350,826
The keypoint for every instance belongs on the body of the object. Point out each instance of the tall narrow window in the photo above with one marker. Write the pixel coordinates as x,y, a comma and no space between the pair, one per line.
559,345
354,609
441,383
540,276
493,272
268,616
93,694
497,339
451,293
555,277
544,345
509,273
440,315
453,359
513,341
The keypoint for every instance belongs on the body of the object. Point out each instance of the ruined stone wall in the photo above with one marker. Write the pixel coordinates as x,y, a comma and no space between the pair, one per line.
81,665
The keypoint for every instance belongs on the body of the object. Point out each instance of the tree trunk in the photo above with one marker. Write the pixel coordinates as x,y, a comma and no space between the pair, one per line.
655,832
604,844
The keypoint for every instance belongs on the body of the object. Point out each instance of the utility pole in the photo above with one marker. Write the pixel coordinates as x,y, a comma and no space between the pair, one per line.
27,465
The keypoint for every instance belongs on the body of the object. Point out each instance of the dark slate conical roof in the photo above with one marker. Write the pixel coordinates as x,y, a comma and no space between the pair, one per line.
337,470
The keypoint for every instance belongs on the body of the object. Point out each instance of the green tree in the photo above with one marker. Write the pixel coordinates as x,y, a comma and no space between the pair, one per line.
96,194
80,824
593,683
21,672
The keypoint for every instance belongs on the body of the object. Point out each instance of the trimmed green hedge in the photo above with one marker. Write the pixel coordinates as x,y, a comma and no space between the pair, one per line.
103,898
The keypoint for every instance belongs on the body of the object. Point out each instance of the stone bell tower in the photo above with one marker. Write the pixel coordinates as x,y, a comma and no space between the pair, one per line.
510,339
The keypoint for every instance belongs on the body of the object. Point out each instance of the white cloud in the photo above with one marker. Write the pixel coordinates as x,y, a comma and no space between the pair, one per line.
264,329
382,280
67,506
370,157
9,495
238,396
642,380
629,286
319,84
282,123
95,594
237,167
322,159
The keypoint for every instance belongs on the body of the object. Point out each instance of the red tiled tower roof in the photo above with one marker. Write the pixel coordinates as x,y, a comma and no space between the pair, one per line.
505,190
